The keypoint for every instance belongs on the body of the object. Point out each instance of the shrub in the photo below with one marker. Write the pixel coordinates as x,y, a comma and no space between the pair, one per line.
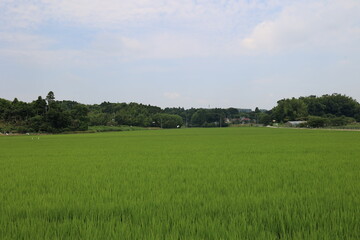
341,121
168,120
316,122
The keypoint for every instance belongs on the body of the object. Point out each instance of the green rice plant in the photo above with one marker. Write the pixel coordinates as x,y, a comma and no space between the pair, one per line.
224,183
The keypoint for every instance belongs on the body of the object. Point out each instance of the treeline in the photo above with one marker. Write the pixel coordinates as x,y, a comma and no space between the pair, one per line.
327,110
134,114
49,115
216,117
43,115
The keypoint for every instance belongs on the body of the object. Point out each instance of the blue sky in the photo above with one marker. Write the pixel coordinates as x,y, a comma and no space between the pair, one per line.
187,53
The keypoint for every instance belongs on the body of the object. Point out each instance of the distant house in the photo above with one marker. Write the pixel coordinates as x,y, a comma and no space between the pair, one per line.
245,120
294,123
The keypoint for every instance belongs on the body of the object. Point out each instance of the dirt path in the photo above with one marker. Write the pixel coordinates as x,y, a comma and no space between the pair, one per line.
328,129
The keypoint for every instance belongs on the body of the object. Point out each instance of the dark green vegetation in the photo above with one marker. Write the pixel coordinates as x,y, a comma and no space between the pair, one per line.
49,115
224,183
134,114
327,110
114,128
43,115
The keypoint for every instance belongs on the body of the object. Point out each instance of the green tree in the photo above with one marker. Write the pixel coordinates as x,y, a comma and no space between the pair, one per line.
317,122
165,120
50,99
290,110
39,106
264,118
199,118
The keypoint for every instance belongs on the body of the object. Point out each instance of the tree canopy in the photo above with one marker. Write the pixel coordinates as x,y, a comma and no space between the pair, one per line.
331,107
49,115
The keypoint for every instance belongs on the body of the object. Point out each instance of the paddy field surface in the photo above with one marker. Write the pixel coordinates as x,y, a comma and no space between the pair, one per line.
225,183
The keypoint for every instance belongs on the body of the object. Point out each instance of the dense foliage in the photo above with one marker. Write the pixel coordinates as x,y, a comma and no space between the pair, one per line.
43,115
327,110
49,115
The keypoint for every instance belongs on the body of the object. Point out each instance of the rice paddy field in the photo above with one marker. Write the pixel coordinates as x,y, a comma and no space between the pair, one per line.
225,183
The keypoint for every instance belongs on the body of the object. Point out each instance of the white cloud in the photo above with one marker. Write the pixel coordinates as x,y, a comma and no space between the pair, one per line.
173,45
141,29
319,24
134,29
155,46
21,14
23,41
112,14
32,49
172,95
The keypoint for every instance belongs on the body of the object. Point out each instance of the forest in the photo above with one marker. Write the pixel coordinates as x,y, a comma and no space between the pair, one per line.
53,116
327,110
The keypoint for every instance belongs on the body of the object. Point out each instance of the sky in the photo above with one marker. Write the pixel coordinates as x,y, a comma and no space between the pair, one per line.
184,53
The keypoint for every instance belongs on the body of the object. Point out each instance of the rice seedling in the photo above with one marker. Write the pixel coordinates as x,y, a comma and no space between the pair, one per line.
228,183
